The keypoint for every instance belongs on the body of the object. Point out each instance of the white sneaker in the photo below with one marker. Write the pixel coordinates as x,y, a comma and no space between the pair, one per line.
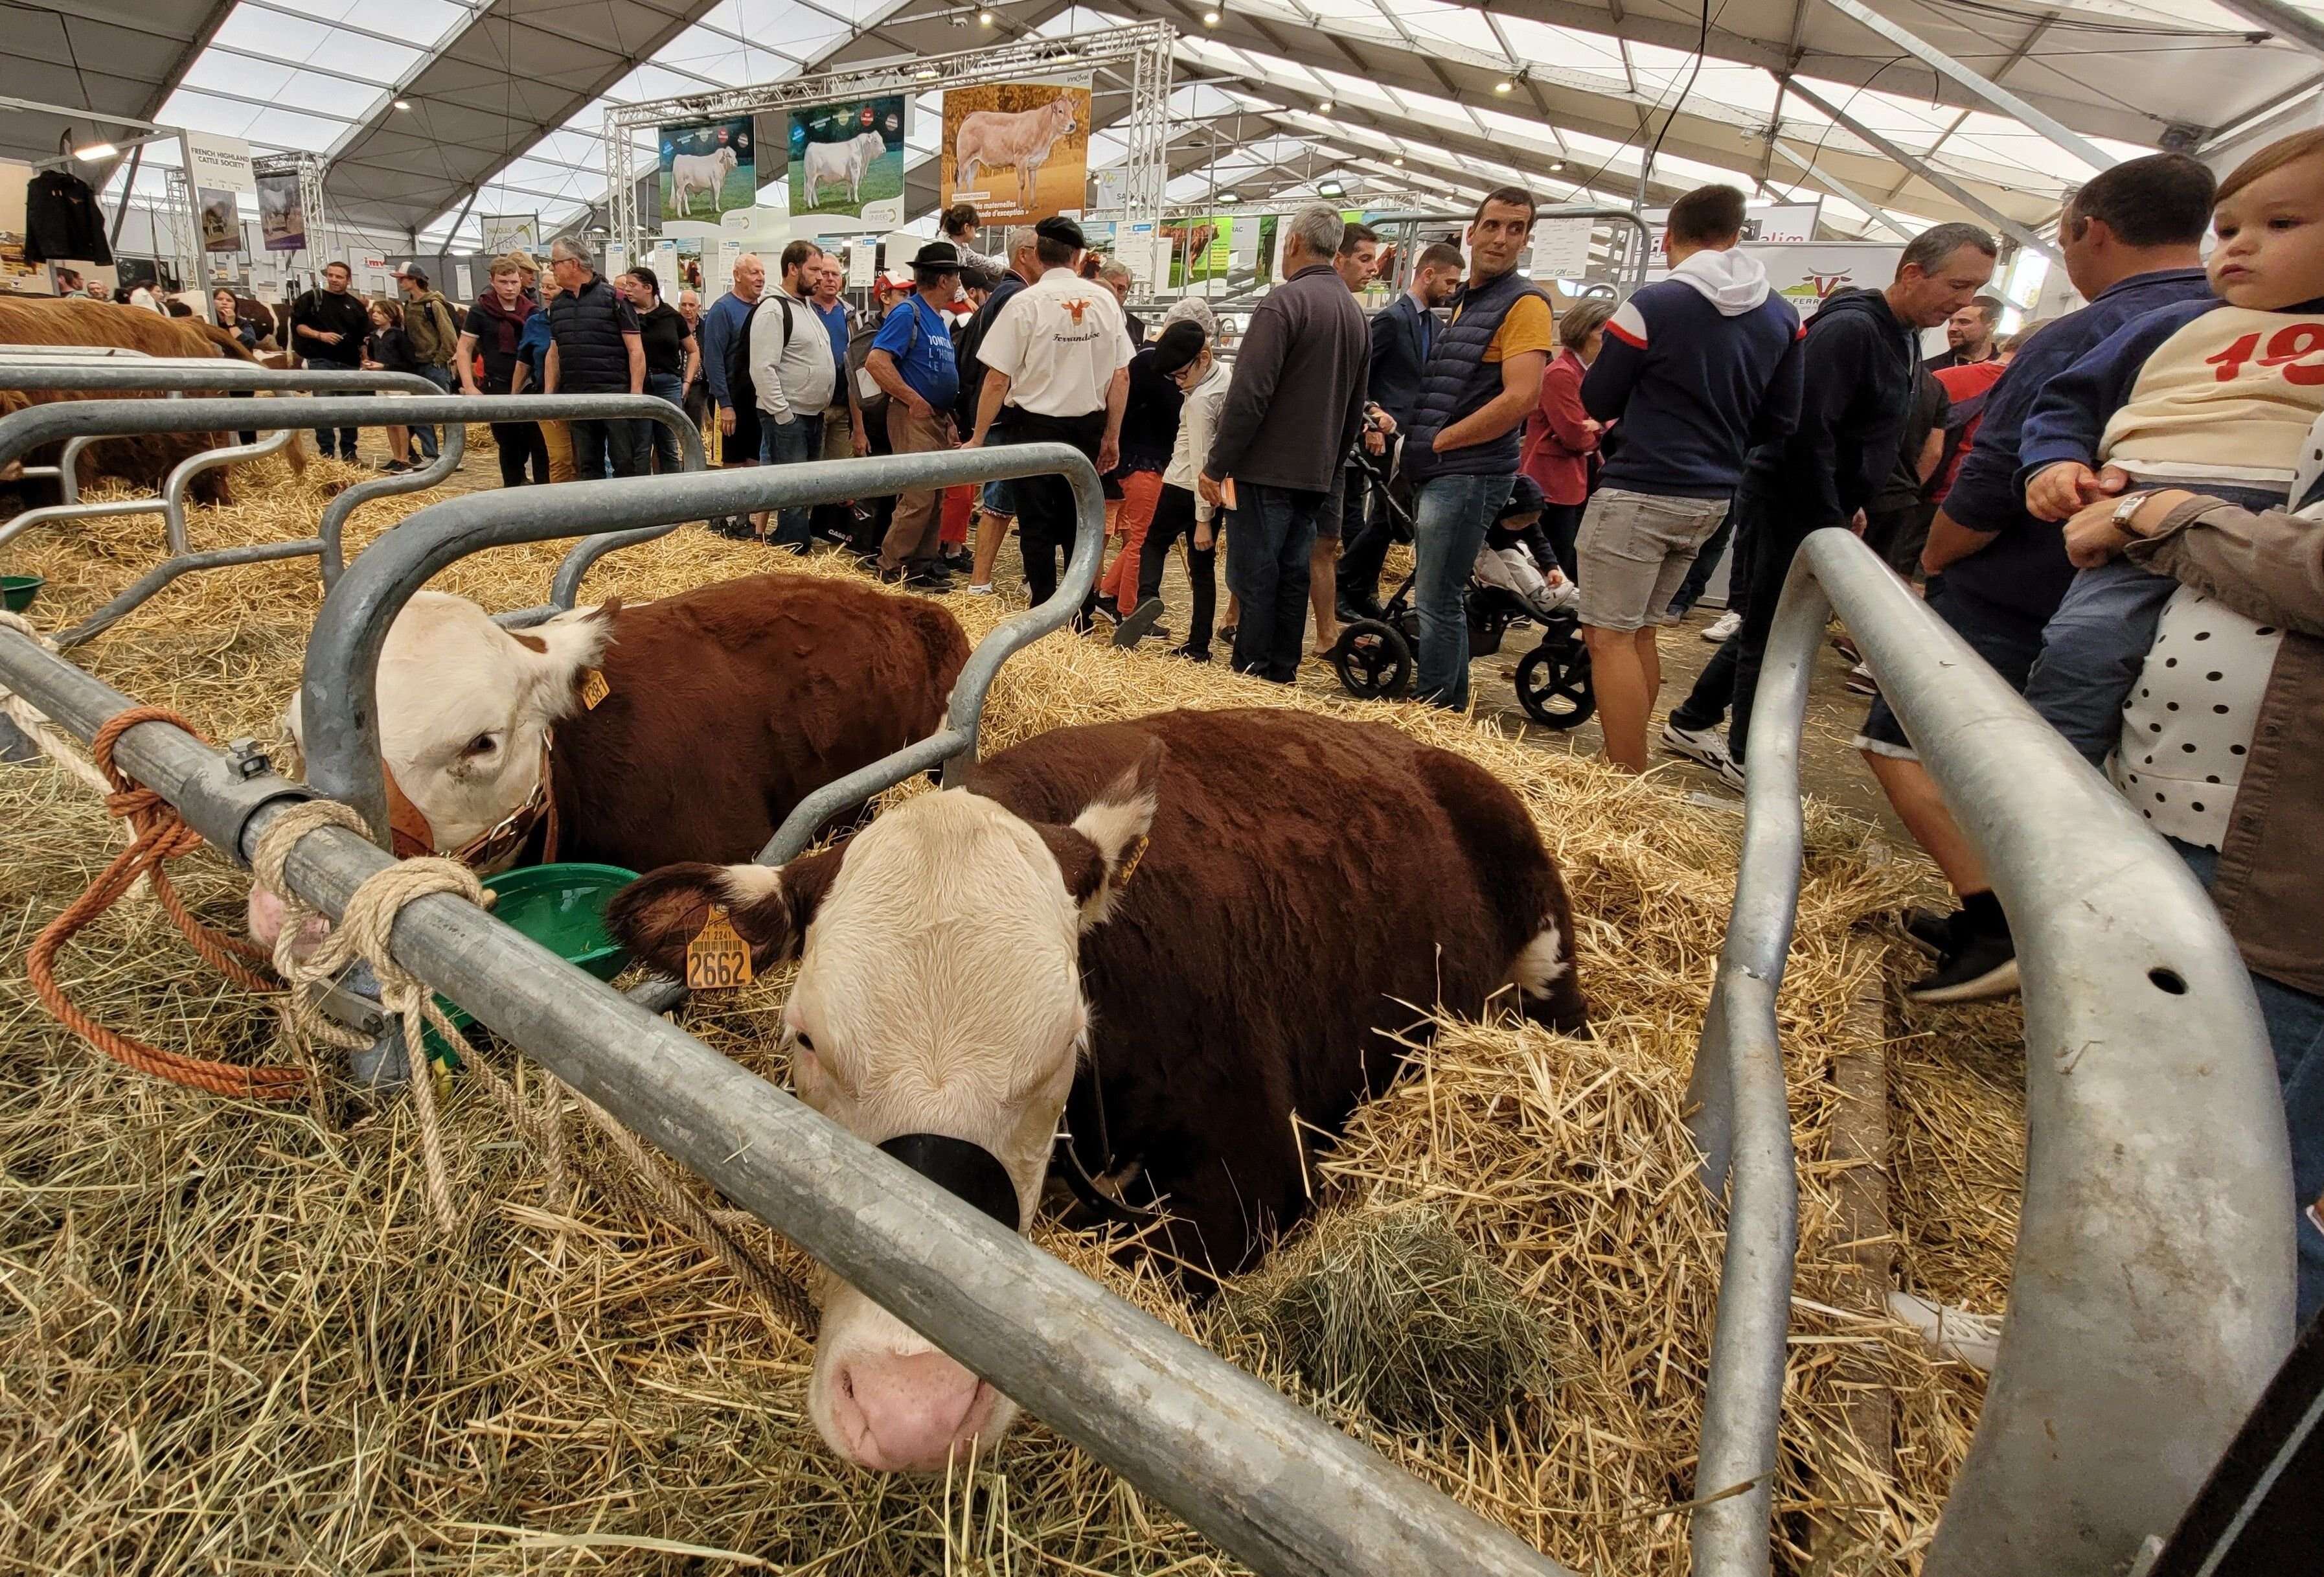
980,588
1724,626
1704,748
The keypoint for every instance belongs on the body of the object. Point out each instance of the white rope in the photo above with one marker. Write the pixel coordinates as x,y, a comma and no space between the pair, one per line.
52,741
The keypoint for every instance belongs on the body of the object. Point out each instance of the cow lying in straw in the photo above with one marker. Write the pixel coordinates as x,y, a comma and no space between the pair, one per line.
682,728
992,139
1197,935
145,460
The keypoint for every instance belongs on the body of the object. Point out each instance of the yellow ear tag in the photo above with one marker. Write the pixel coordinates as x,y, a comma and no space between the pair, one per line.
717,958
594,689
1130,867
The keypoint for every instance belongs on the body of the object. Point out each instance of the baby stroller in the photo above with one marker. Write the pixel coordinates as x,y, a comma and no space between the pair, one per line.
1374,658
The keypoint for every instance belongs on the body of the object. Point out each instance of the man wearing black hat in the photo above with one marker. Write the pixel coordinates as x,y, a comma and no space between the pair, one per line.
1056,366
911,360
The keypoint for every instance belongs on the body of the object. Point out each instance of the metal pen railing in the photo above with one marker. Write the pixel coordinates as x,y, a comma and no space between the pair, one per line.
2151,1297
1272,1483
25,430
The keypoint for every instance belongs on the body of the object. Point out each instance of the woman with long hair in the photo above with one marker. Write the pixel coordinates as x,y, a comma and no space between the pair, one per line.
672,355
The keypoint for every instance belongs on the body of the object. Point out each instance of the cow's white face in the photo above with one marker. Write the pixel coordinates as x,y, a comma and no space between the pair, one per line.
465,706
939,991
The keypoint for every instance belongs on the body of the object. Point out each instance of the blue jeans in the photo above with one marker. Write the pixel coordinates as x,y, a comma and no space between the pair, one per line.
786,443
1450,515
654,440
2295,1031
347,434
441,376
2092,650
1269,539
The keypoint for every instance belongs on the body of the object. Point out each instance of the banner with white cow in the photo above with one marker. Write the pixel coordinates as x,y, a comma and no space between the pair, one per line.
708,168
847,165
1017,152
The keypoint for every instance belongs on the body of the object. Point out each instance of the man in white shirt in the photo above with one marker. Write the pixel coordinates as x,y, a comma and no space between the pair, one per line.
1056,370
793,374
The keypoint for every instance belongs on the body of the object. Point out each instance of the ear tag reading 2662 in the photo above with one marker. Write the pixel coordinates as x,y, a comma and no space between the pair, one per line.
717,958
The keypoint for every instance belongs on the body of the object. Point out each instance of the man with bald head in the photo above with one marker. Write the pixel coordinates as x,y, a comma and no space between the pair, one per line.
722,327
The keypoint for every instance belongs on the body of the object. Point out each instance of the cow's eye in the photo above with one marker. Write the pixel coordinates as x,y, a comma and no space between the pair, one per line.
482,745
804,1041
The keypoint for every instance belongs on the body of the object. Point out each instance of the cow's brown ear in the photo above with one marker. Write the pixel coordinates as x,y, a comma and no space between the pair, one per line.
659,914
562,650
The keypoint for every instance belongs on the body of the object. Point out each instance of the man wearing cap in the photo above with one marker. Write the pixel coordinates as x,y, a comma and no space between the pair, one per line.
1056,370
911,360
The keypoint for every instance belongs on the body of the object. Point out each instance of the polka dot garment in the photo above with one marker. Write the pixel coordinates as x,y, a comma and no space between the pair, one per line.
2187,727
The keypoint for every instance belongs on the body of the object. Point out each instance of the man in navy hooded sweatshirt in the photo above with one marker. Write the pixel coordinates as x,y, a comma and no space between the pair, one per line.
1698,368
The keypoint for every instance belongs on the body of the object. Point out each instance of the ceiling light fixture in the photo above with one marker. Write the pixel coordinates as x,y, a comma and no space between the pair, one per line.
1556,164
985,18
95,152
1505,86
1330,187
1229,197
924,74
1398,160
1326,106
404,104
1211,17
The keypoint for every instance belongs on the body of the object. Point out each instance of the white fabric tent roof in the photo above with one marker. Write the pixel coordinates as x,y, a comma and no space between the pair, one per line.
502,101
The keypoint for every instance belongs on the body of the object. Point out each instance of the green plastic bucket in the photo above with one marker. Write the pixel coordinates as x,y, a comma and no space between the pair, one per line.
17,591
563,908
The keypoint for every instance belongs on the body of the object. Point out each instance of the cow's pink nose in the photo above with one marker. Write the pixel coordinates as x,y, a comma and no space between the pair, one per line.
906,1413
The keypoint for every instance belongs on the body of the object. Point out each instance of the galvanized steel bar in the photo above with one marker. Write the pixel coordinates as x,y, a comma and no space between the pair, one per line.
2151,1294
1272,1484
193,374
170,504
336,695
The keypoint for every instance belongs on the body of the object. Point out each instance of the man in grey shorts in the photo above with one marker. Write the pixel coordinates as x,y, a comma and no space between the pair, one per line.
1697,368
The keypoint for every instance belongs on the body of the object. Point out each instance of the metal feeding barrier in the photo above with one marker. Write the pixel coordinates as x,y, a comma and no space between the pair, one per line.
2152,1294
24,431
1269,1481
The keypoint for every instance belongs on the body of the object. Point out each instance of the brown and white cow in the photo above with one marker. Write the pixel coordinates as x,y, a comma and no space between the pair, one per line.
721,709
1207,923
994,139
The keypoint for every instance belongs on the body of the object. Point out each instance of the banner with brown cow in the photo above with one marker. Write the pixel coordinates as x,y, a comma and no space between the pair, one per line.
1017,152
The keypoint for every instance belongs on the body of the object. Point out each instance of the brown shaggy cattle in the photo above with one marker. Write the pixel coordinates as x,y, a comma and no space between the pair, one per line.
1195,936
145,461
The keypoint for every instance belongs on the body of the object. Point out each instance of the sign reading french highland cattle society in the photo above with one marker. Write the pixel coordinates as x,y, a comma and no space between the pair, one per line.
1017,152
218,171
847,165
709,168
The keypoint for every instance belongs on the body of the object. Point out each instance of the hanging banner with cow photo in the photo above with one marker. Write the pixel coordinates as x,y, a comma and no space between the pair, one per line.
281,212
1017,152
708,168
847,165
218,173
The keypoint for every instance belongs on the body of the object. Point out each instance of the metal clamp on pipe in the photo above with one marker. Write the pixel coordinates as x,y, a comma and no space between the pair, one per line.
1272,1484
2152,1290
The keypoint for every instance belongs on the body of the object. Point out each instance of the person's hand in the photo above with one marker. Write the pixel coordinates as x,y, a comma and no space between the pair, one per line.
2091,535
920,409
786,419
1109,456
1592,424
329,337
1856,523
1436,444
863,442
1204,536
372,366
1374,443
2058,491
726,421
1382,422
1211,494
973,441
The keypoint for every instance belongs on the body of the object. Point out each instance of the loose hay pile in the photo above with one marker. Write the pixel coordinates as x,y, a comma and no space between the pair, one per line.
232,1341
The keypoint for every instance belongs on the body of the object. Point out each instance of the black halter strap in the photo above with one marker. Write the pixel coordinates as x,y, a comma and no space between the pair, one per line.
968,1170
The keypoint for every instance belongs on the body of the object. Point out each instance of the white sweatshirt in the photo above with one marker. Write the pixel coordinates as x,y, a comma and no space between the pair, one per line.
1198,420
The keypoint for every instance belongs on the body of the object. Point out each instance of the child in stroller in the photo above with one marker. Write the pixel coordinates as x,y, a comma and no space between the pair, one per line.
1516,580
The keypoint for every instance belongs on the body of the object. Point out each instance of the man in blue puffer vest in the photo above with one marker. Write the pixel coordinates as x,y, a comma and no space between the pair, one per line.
1482,378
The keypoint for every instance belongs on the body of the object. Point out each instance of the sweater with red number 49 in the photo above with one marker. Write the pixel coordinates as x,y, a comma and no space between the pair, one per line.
2198,392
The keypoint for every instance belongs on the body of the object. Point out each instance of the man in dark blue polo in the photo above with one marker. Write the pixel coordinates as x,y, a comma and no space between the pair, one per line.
1403,335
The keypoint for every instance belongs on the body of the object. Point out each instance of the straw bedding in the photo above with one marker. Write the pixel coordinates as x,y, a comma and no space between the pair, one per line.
233,1341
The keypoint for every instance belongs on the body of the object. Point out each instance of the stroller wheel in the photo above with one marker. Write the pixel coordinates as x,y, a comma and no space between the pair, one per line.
1553,685
1372,661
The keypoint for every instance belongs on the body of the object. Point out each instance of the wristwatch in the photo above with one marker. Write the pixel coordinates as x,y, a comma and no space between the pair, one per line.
2127,506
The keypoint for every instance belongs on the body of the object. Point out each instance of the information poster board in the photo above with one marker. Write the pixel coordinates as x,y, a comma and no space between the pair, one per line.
1805,274
219,172
511,232
1017,152
1560,248
847,164
281,212
709,168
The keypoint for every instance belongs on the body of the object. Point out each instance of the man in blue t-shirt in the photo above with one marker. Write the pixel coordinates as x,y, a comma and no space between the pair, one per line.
911,360
2132,239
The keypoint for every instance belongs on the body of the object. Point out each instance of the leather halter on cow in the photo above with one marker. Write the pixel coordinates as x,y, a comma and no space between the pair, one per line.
496,847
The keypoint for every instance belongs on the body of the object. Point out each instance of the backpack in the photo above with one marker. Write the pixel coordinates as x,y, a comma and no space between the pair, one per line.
741,388
870,397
